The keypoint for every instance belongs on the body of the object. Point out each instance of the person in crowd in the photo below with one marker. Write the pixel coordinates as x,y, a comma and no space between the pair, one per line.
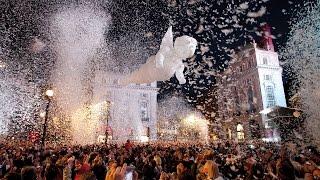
128,145
67,171
159,160
98,168
184,171
28,172
12,176
285,169
81,167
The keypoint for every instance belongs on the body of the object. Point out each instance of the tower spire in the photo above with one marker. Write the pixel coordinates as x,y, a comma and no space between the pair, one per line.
266,42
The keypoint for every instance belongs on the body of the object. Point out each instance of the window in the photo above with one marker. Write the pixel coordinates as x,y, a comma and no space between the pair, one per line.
237,104
265,60
268,77
253,61
144,95
108,94
144,111
115,81
229,133
146,131
250,99
270,96
240,133
271,123
234,89
104,81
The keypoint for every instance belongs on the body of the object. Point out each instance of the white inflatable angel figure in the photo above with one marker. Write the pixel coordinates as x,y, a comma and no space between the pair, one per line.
166,63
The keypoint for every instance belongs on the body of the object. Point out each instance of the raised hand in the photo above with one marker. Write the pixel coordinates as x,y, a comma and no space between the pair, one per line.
120,172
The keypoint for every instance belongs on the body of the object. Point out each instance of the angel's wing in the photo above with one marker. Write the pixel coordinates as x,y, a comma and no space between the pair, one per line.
167,41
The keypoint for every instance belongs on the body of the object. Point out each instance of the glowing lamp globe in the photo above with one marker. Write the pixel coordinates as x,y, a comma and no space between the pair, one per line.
49,93
42,114
296,114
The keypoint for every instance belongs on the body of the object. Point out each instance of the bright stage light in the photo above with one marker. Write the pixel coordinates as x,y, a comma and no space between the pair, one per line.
144,139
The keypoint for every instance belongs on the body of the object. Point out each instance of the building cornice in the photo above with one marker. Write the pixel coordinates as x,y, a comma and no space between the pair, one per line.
265,51
270,67
145,88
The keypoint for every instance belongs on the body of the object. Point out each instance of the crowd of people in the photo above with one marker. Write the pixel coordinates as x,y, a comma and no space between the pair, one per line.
159,160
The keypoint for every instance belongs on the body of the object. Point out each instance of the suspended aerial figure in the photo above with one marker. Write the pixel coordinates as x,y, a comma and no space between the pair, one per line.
166,63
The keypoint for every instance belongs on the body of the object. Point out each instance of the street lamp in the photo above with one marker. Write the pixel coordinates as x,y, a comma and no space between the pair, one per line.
2,64
108,103
43,114
49,94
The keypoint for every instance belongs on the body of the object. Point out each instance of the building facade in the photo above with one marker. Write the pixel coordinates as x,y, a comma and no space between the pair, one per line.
132,109
251,84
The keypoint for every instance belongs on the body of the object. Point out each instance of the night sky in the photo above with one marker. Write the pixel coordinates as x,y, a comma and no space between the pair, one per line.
221,28
200,71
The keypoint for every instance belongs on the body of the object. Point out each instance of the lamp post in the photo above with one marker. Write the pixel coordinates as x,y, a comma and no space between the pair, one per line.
49,94
108,116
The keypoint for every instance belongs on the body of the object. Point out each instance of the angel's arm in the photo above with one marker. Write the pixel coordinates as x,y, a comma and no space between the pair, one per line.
180,75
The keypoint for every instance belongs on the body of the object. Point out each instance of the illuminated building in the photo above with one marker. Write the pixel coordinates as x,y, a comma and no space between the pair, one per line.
132,110
251,84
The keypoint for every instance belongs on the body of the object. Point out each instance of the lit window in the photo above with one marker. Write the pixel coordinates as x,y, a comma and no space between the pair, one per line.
265,61
239,127
270,96
240,133
144,111
229,133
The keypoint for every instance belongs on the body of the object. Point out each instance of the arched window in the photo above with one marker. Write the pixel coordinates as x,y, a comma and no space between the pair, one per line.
271,101
250,64
265,61
250,99
144,110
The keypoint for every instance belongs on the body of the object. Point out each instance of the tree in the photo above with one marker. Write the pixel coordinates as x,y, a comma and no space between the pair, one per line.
302,52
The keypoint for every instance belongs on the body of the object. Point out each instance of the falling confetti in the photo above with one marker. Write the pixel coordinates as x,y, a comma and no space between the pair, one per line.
301,54
62,44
